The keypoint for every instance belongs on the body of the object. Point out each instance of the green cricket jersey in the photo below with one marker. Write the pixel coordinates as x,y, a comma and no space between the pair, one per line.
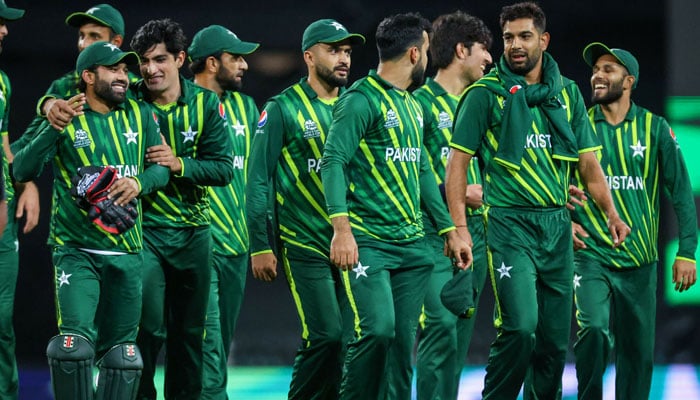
639,155
119,139
228,203
195,128
286,155
438,115
374,167
542,181
5,92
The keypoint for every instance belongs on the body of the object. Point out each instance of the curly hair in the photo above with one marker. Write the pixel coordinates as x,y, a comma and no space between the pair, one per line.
454,28
157,31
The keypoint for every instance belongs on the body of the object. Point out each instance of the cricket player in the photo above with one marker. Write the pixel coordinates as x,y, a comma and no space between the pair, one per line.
285,171
97,271
528,125
218,64
375,175
618,285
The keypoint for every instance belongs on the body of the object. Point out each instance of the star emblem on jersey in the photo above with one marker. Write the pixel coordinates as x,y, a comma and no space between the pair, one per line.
638,149
113,47
504,271
240,129
130,136
577,281
189,135
360,270
63,279
338,26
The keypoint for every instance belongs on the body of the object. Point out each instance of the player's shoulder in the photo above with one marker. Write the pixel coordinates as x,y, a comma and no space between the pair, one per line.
569,85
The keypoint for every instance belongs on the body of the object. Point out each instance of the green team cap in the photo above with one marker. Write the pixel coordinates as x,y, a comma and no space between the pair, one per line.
105,54
103,14
9,13
214,39
593,51
328,31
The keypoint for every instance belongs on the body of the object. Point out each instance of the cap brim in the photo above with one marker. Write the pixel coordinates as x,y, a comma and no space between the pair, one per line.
129,57
595,50
355,39
11,14
243,48
78,19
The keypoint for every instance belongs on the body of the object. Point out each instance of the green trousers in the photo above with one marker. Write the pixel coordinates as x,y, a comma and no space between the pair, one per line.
444,338
176,281
318,295
9,266
225,298
531,266
98,296
385,290
626,296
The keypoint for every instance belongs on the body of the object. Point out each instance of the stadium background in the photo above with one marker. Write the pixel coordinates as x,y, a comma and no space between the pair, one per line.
41,47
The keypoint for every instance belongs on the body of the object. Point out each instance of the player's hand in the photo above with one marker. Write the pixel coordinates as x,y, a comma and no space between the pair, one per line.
264,266
60,112
458,249
577,232
28,205
344,252
576,197
684,274
123,190
163,155
474,197
618,229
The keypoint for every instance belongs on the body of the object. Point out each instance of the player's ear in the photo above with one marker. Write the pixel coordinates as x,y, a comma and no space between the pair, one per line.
117,40
88,76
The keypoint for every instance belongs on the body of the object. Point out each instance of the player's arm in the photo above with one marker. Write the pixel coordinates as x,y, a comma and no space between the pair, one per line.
262,164
29,161
27,193
3,201
153,177
352,116
677,183
213,165
457,248
469,126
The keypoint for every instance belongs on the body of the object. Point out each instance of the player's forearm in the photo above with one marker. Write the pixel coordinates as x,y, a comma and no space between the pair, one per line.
208,172
456,186
30,160
432,200
152,179
334,187
596,185
256,212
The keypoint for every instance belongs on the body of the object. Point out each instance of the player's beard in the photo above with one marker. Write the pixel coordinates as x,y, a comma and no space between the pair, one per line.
327,75
103,90
417,76
530,62
613,94
227,80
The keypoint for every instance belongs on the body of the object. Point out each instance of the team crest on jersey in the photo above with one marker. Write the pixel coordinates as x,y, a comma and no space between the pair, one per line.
263,119
391,120
311,129
444,120
82,139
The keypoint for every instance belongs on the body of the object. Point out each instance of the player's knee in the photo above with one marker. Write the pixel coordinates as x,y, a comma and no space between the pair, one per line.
70,361
70,348
120,372
122,356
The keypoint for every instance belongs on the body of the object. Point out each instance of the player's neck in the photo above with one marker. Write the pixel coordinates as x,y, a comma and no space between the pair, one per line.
97,104
452,80
616,111
208,81
169,95
322,88
398,73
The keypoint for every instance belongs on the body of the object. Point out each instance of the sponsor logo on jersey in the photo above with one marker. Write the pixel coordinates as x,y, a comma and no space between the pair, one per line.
81,139
538,141
311,129
402,154
625,182
313,165
222,111
391,120
155,118
513,89
444,120
263,119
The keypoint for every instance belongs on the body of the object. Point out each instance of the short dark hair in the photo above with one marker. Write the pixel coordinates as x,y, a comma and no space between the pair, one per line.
198,65
397,33
452,29
81,84
524,10
158,31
